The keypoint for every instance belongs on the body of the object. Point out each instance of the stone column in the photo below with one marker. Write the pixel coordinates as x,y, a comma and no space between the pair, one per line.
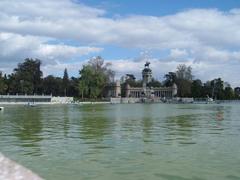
118,89
127,90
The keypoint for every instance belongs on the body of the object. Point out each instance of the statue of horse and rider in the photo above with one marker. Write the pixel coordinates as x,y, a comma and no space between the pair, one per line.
147,64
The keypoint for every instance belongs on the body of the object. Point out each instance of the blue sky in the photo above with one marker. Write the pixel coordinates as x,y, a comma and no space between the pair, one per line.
158,7
151,8
67,33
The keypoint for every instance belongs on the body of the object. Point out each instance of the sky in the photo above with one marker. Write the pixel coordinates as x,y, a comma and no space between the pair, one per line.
67,33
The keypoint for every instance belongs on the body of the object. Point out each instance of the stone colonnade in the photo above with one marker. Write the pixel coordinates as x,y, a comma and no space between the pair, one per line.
159,92
163,93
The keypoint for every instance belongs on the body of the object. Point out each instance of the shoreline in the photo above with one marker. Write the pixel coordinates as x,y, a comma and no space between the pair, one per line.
52,103
109,102
12,170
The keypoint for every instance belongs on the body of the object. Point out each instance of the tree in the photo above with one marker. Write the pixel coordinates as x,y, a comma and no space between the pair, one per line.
170,79
65,82
214,88
52,85
184,72
86,80
184,80
94,76
27,77
73,89
3,85
12,84
82,86
237,92
197,88
98,65
130,79
207,89
229,93
218,88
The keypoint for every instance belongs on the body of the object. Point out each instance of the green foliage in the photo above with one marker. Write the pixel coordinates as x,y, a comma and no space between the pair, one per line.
184,88
65,82
3,85
229,93
184,72
218,88
26,78
187,87
183,78
170,79
197,88
129,79
237,93
73,87
215,89
94,77
52,85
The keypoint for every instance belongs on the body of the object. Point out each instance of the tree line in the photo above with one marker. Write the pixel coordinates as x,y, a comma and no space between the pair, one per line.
96,77
27,78
190,87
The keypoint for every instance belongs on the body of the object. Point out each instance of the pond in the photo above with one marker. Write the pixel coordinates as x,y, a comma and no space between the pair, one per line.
124,141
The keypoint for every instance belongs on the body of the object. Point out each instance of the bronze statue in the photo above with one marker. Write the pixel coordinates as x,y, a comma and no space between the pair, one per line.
147,64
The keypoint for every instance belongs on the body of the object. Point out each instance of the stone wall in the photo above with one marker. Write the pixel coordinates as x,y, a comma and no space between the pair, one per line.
62,100
125,100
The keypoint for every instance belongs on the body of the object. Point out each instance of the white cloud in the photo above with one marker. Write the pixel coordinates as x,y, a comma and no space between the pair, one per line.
58,68
207,39
63,52
15,48
191,28
178,53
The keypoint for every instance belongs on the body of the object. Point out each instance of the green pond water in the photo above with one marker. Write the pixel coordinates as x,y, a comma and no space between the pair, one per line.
124,142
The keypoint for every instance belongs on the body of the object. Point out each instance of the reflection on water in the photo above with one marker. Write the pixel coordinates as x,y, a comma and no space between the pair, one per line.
29,129
94,123
147,125
66,122
26,125
180,128
140,141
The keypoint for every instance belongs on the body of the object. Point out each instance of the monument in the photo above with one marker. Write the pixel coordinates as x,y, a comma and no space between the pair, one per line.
145,92
147,78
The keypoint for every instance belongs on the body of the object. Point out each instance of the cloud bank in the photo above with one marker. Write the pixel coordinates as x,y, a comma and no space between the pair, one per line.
206,39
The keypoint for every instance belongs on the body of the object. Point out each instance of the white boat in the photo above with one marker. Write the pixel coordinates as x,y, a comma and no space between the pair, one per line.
209,101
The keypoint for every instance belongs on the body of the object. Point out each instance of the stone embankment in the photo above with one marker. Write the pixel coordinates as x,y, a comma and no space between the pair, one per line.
10,170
